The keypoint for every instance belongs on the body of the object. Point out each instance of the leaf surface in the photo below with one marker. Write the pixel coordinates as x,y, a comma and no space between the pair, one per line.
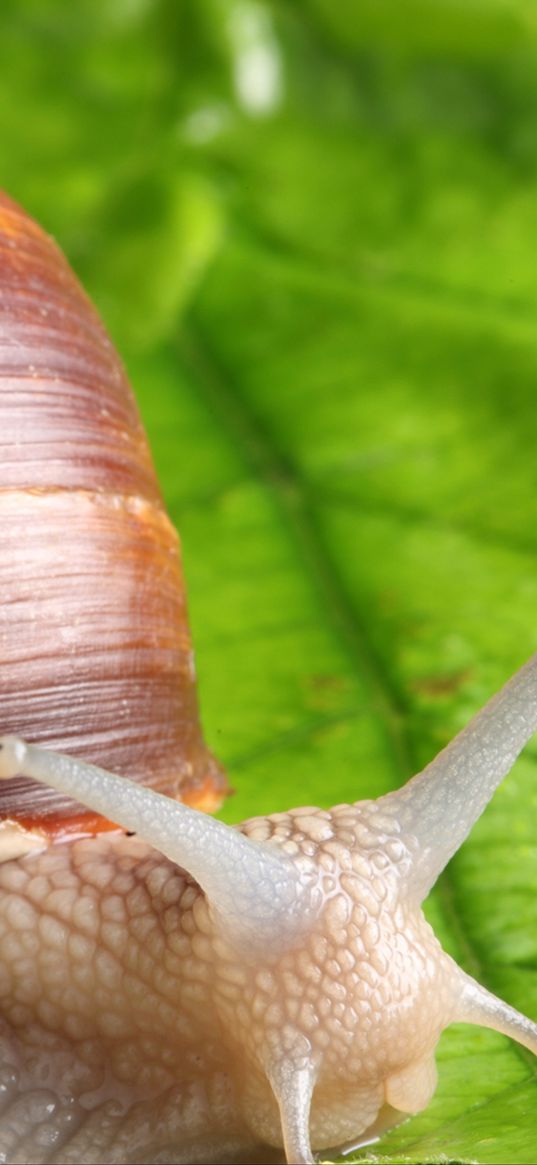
311,231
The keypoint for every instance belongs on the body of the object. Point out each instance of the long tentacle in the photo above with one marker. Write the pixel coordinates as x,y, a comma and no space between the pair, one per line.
257,893
439,806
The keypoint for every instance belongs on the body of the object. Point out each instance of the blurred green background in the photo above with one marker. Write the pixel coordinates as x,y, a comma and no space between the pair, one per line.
311,230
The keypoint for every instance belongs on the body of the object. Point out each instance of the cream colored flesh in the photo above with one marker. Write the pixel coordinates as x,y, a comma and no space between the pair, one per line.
112,1049
131,1033
287,991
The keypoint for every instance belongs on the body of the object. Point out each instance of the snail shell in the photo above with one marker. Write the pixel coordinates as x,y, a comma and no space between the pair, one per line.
95,647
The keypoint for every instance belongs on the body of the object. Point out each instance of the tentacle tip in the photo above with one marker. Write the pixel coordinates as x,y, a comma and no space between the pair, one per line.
12,756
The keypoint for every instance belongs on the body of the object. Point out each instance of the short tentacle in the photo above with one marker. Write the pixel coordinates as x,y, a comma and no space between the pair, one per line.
479,1006
293,1089
439,806
256,892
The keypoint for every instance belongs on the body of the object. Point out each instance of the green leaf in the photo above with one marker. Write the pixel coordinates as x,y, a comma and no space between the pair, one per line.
311,230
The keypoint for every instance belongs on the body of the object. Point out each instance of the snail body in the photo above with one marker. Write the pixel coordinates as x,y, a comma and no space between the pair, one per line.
198,991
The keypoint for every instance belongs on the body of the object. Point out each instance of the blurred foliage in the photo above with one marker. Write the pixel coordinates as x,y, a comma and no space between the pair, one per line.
311,230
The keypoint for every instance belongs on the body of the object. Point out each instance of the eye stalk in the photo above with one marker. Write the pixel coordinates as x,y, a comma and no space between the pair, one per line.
261,900
12,757
439,806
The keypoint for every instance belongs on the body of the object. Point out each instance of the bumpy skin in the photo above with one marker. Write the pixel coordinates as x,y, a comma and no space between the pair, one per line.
111,1049
287,991
135,1025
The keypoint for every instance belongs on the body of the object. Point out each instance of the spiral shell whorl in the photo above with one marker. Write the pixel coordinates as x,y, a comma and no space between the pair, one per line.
95,648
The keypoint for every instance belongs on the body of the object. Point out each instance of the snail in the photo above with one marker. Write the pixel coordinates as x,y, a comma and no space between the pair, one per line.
174,989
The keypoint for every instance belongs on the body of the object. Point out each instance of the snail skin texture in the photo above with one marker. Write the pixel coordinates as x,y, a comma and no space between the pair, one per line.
286,990
196,992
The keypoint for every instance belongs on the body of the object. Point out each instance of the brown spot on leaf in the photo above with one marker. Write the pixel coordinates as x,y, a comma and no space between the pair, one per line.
441,685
